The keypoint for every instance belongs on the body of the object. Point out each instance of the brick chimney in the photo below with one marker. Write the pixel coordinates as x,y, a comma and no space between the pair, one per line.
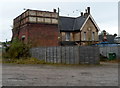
54,10
85,14
88,8
85,10
81,13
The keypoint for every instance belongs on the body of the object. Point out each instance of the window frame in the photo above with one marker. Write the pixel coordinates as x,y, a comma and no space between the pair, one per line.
84,38
93,36
67,36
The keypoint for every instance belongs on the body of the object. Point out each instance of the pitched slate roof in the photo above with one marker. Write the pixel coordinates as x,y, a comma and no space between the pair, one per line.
66,23
71,24
79,21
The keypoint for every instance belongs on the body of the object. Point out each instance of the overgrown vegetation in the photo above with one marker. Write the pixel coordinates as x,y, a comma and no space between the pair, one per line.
24,61
16,50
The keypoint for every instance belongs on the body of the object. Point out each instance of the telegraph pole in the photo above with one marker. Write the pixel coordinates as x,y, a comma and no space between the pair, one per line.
58,18
59,37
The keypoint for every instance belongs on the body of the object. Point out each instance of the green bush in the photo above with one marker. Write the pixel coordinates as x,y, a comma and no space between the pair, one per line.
17,49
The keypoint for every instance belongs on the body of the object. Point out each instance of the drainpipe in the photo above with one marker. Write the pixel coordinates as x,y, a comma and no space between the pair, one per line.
80,38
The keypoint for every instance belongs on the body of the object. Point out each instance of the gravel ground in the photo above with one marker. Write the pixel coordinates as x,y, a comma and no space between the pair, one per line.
57,75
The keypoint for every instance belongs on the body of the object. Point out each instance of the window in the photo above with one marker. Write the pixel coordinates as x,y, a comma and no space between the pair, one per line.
84,35
93,35
67,36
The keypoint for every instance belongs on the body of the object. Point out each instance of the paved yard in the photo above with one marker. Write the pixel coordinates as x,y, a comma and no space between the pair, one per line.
48,75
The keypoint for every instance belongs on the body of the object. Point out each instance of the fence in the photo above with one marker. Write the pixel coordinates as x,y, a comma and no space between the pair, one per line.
67,54
107,49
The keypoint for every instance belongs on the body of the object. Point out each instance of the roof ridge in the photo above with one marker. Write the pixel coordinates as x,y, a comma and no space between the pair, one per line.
68,17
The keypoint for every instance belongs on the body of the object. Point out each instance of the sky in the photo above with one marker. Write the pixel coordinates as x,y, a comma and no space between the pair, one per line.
105,13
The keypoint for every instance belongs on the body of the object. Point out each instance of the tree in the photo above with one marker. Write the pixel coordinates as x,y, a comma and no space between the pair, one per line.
102,33
17,49
115,35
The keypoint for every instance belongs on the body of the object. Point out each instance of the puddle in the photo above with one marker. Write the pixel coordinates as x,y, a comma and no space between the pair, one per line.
85,73
16,78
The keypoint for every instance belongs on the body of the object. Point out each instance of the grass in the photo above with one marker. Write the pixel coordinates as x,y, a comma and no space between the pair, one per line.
36,61
24,61
105,59
112,61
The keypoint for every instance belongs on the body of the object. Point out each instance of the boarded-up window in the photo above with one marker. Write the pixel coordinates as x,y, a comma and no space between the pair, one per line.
33,13
47,14
27,19
55,15
40,19
40,13
47,20
32,19
54,21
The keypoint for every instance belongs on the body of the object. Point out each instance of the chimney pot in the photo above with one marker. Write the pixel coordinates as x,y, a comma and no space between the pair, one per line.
81,13
85,10
88,8
54,10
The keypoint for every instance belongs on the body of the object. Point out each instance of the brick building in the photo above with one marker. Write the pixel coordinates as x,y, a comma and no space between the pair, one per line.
40,28
43,28
81,30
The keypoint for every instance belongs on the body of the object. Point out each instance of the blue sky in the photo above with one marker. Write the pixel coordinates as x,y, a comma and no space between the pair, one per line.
104,13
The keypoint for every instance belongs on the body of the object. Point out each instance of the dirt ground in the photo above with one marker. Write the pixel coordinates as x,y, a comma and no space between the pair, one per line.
105,74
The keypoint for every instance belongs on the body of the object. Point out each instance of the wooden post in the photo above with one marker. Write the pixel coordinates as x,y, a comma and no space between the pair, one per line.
45,54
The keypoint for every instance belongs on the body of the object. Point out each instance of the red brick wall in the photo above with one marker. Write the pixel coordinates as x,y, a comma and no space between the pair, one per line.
24,31
40,34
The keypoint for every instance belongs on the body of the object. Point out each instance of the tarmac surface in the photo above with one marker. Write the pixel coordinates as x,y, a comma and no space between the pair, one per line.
105,74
